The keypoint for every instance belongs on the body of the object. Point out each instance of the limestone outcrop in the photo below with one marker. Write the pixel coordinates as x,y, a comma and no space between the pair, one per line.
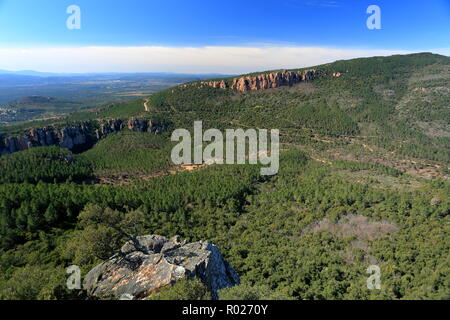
143,126
272,80
76,137
70,137
262,81
155,262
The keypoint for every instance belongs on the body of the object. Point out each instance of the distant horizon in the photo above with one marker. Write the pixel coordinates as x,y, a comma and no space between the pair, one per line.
29,72
45,73
204,37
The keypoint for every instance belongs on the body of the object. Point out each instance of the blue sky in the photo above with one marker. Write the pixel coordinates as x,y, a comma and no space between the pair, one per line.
188,27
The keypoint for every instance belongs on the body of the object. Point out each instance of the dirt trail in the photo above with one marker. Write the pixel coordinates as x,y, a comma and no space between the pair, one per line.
146,106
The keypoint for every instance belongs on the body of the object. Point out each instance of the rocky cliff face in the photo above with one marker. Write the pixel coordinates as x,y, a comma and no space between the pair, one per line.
264,80
144,126
107,127
76,137
159,262
273,80
69,137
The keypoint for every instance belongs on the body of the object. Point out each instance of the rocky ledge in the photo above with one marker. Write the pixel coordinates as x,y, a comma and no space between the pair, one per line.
142,268
264,80
77,137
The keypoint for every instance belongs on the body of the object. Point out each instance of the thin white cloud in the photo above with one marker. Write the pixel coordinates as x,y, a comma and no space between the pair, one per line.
211,59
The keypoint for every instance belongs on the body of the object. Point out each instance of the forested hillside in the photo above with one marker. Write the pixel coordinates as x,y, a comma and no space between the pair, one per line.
363,180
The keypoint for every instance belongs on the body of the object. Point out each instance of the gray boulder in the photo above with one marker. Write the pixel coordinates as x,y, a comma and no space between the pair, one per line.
153,262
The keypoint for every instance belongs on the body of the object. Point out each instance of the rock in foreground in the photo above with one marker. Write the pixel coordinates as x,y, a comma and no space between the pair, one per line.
157,263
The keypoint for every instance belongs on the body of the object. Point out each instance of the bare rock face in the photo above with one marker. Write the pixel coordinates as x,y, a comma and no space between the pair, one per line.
108,127
143,126
263,80
73,136
76,137
69,137
13,144
157,263
215,84
273,80
136,125
43,136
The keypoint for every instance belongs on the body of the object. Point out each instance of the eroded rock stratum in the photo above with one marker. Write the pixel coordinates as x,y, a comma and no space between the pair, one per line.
156,263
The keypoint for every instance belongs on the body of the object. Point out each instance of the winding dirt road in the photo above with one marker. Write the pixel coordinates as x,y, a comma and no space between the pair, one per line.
146,107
